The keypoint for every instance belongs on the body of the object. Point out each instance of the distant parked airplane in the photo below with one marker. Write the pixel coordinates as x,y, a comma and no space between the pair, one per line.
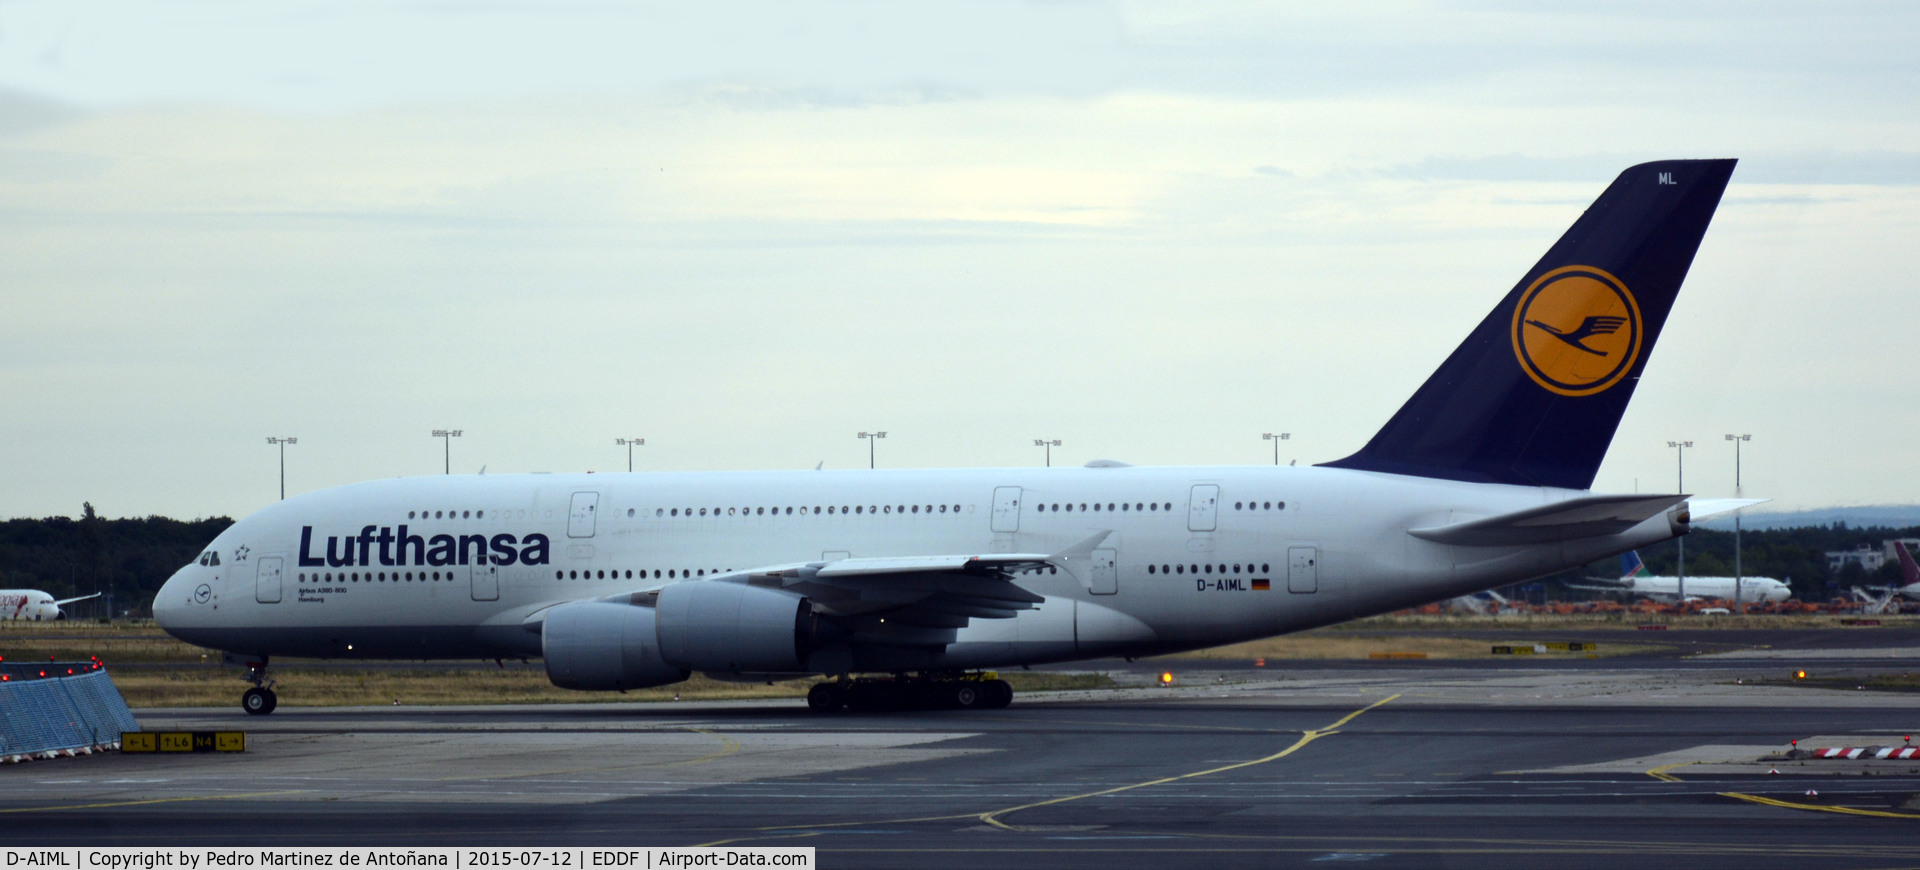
1909,573
33,605
1635,581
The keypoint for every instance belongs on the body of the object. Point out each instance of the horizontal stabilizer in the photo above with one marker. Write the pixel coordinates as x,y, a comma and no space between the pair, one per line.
1706,508
1591,516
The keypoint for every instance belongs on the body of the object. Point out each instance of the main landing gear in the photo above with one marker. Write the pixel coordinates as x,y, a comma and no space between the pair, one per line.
259,700
921,692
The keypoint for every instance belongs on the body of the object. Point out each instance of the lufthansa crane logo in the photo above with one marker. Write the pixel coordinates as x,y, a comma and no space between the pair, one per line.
1576,331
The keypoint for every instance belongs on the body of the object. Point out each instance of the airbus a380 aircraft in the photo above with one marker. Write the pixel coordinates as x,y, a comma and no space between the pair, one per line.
624,581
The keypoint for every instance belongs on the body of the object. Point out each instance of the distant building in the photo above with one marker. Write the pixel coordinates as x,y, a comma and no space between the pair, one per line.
1867,557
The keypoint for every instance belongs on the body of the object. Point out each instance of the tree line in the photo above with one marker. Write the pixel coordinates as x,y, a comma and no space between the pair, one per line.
126,558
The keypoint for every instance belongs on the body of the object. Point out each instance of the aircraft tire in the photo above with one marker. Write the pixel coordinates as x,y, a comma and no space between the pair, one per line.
969,695
1000,694
258,702
825,698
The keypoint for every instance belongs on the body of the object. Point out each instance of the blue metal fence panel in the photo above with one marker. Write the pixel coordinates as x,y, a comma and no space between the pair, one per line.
100,705
61,713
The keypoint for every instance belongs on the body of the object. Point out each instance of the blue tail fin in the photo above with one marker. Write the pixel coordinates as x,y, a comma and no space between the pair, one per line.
1630,564
1534,394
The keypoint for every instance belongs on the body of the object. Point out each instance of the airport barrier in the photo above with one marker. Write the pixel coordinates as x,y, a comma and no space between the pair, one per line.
61,715
1867,752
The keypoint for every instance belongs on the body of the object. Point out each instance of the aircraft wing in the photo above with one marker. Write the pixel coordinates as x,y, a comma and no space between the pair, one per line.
1585,517
919,600
81,598
902,600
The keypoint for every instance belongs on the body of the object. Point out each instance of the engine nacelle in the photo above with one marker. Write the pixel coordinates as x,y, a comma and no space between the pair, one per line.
601,645
716,626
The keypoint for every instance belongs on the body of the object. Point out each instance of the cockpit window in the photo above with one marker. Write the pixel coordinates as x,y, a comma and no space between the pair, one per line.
213,558
203,558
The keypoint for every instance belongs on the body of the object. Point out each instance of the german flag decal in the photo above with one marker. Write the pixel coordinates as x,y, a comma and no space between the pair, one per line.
1262,585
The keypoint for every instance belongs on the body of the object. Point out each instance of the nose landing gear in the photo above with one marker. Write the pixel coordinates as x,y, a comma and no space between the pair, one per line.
259,700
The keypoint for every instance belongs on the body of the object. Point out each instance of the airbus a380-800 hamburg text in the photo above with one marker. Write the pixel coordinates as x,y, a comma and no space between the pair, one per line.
624,581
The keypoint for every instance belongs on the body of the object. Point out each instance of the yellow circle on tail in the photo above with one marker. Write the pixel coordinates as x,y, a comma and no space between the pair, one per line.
1576,331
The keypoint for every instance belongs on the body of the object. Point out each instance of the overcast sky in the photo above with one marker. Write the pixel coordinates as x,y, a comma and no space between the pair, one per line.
747,231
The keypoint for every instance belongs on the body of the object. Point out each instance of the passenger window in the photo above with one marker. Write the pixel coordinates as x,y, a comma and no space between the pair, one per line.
1149,569
1179,569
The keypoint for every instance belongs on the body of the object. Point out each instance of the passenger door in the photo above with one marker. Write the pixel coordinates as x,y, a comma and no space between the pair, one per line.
1006,509
266,583
1303,569
580,520
1104,579
486,581
1203,508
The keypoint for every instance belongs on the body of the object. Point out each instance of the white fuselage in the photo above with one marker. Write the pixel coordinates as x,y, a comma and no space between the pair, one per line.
27,604
1195,556
1752,589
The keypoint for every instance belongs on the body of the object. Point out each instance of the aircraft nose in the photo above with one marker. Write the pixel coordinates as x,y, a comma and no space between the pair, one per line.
169,601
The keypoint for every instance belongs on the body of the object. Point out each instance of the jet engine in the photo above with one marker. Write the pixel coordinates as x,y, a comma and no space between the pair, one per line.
713,626
605,645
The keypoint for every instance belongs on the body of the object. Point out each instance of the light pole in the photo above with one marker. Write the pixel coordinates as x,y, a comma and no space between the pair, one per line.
1042,442
1738,607
1680,544
446,437
871,437
1276,439
630,442
283,442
